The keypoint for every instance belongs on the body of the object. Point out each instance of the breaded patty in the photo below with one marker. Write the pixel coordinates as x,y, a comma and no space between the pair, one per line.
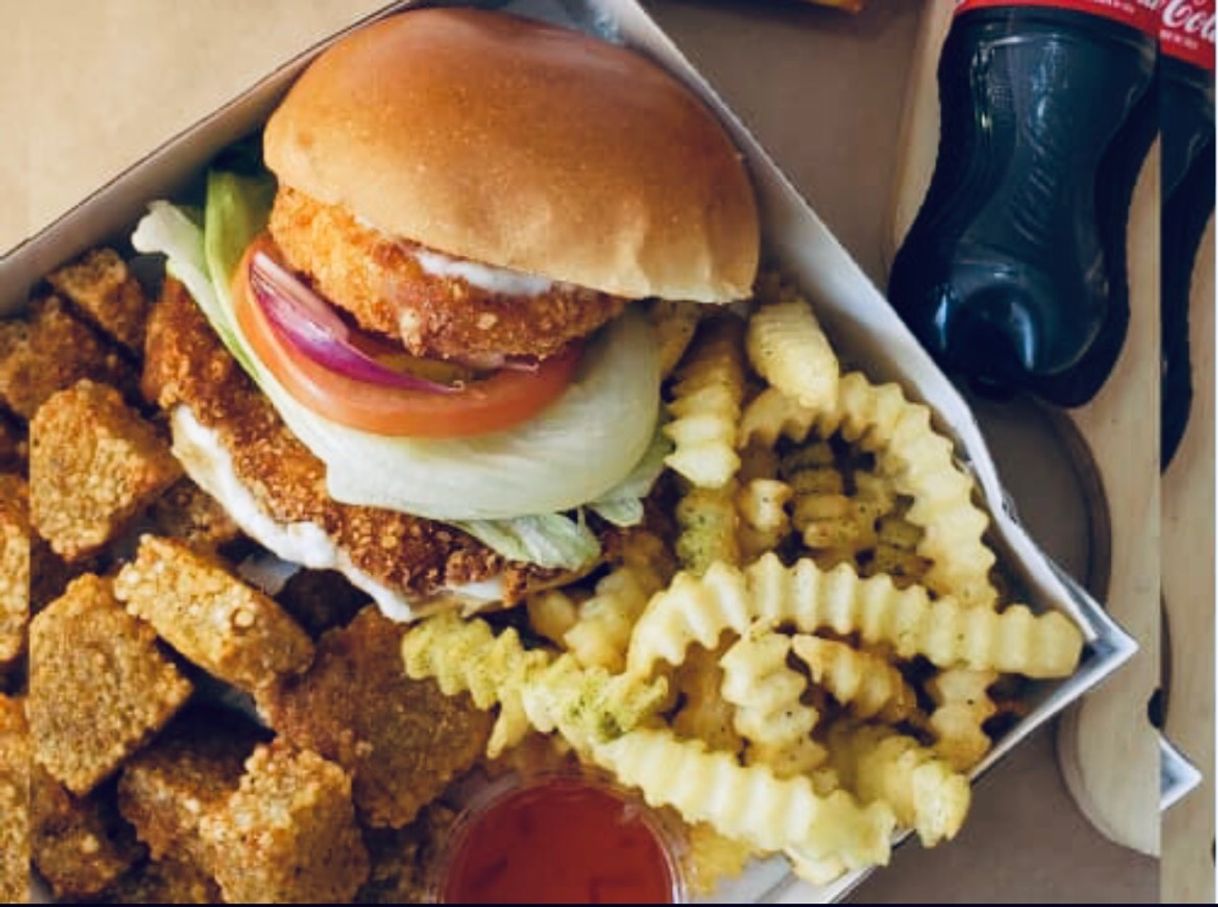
378,279
186,364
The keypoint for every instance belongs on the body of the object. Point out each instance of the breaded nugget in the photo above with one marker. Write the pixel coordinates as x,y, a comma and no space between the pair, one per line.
400,858
80,844
101,286
192,768
321,600
378,279
94,465
401,739
50,350
98,685
164,882
226,627
288,833
189,513
14,567
186,364
14,803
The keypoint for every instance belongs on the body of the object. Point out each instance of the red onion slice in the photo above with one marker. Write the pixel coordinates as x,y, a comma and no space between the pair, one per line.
307,321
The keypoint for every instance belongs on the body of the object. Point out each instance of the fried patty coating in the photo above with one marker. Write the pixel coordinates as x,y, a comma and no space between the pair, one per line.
378,279
186,364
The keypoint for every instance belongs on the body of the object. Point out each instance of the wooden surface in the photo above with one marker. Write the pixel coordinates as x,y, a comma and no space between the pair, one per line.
94,86
1188,595
1107,746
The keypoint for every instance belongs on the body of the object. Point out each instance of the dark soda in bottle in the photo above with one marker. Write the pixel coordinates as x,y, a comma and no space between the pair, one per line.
1013,273
1186,116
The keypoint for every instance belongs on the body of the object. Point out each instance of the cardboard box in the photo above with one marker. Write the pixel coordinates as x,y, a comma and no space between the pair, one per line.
857,317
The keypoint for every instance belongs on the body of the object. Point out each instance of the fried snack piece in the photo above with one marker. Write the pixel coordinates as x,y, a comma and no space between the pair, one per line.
531,687
835,522
962,706
188,513
100,285
788,348
98,686
769,713
705,715
748,803
946,632
877,763
164,882
14,802
675,323
166,789
94,465
401,740
288,834
708,528
867,684
187,367
226,627
705,407
49,351
14,567
378,279
320,600
79,843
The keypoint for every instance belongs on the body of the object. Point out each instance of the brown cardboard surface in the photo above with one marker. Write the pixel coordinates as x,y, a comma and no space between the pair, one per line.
88,88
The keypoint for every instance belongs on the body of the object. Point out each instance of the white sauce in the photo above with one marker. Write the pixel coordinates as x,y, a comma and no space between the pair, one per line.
484,277
210,465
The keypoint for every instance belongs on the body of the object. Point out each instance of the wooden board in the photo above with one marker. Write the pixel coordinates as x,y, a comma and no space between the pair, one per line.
1188,595
1107,749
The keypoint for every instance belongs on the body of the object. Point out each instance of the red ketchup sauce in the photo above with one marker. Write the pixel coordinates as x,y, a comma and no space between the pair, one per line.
560,841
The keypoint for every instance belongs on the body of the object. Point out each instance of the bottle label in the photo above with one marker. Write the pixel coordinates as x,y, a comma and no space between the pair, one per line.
1186,31
1141,14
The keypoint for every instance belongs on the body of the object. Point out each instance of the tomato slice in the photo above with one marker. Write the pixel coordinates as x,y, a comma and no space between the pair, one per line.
505,399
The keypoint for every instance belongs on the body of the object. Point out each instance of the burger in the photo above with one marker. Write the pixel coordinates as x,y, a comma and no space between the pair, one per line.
415,349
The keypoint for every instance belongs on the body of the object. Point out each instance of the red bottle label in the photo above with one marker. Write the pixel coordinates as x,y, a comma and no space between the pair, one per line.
1141,14
1186,31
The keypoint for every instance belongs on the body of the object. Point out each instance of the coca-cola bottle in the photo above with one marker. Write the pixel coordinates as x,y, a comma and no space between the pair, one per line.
1186,115
1013,273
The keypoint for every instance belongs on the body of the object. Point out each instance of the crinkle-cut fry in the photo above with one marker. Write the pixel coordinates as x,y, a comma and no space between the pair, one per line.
766,694
705,715
868,685
466,657
707,528
711,857
748,803
552,613
532,688
787,347
601,633
924,791
675,322
946,632
834,526
706,407
962,706
918,460
772,415
764,523
757,462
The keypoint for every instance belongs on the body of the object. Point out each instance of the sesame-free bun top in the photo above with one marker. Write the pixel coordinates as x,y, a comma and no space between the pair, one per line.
526,146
